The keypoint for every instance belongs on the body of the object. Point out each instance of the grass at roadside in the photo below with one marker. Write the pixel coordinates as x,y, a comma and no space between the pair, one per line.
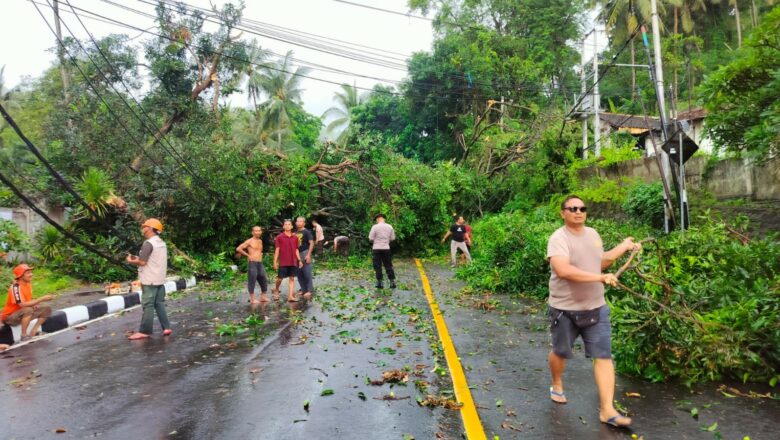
45,281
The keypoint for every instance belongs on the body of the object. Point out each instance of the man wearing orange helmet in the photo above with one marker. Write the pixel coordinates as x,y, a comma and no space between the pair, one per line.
20,307
152,264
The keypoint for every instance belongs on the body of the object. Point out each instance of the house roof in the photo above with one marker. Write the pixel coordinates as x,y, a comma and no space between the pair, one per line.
631,123
692,115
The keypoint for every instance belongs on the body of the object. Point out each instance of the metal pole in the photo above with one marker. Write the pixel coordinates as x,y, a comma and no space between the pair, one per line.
683,192
661,157
659,71
584,117
596,97
659,92
501,121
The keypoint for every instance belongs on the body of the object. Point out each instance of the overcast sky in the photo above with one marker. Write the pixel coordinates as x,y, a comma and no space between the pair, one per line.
27,41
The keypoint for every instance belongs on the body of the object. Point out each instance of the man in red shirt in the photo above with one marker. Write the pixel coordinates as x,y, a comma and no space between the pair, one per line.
287,260
20,307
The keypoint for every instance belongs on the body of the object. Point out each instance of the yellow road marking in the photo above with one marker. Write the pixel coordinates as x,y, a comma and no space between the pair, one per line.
468,411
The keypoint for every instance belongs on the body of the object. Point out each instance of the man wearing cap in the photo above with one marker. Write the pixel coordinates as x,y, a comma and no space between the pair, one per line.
20,307
152,264
380,236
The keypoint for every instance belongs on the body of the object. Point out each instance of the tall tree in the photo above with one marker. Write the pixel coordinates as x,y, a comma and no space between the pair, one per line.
186,61
281,83
347,99
743,96
6,99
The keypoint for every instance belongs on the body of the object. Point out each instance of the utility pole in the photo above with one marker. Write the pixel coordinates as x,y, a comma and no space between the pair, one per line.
583,115
503,108
61,52
659,70
666,167
596,97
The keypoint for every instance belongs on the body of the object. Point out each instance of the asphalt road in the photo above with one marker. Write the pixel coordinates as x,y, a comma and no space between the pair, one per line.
92,382
304,370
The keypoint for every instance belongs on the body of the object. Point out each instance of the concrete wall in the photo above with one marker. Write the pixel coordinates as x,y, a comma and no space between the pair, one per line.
30,222
728,178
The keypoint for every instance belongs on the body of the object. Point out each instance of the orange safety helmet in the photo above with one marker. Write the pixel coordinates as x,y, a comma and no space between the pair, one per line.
21,269
154,224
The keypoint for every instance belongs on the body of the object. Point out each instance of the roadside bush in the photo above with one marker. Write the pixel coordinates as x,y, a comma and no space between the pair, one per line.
12,238
81,263
645,204
714,314
50,244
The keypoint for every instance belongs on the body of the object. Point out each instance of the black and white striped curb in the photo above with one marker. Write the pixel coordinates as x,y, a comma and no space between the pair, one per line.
70,316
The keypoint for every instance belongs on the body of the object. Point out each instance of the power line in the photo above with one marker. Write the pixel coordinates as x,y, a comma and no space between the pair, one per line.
510,89
261,31
57,176
163,140
389,11
57,226
108,107
595,83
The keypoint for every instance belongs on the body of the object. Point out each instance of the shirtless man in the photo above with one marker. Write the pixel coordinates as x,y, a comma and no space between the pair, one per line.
252,249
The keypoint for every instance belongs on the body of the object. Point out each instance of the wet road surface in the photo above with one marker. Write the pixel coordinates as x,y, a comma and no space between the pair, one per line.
305,372
91,382
504,352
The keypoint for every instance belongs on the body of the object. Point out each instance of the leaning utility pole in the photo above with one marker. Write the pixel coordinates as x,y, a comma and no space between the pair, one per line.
666,168
583,115
596,97
61,52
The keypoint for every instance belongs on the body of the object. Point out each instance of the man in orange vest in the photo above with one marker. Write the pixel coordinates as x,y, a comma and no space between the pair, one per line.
20,307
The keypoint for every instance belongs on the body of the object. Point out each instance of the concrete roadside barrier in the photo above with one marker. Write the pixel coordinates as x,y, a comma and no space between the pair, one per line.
75,315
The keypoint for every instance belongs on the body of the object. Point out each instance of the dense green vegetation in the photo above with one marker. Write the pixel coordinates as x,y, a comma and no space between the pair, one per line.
477,128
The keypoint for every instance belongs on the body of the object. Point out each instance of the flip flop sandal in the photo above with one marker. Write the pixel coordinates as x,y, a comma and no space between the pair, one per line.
557,394
167,332
138,336
613,421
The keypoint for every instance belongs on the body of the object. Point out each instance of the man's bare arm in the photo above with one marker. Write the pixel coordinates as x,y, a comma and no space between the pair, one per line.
618,251
564,269
241,249
35,302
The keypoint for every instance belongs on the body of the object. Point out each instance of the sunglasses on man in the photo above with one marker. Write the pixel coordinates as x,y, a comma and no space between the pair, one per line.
576,208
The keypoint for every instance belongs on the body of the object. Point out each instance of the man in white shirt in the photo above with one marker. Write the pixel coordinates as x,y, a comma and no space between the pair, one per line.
380,236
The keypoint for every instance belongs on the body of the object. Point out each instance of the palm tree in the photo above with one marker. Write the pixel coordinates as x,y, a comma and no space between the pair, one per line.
253,131
255,56
346,100
282,85
621,23
7,99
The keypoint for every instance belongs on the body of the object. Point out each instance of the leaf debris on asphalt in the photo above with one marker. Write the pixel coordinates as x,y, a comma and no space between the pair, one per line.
432,401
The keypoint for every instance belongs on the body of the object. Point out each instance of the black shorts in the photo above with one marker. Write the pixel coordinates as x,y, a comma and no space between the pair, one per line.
597,338
287,271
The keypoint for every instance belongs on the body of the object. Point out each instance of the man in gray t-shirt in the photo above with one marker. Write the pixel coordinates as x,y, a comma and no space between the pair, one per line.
380,236
577,305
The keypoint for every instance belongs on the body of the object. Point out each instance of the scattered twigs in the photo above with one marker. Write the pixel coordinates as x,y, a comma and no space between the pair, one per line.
744,239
